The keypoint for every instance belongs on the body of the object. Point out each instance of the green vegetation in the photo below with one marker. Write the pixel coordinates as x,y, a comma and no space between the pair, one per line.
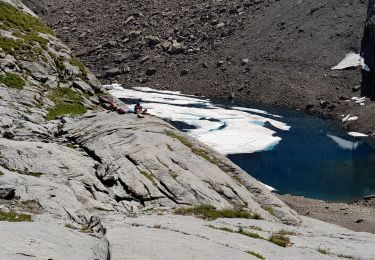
256,228
269,209
249,234
11,18
69,226
86,229
80,66
67,102
149,176
324,251
200,152
10,45
1,174
12,81
210,212
279,240
255,254
14,217
24,172
240,231
346,256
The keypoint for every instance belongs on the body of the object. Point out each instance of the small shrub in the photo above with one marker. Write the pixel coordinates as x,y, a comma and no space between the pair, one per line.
210,212
255,254
86,229
346,256
14,217
279,240
249,234
324,251
1,174
12,81
158,226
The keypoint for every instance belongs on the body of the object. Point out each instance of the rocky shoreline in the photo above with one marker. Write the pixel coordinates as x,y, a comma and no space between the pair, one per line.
357,216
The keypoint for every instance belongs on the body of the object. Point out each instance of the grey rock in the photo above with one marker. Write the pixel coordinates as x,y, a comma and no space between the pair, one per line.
7,193
113,72
152,40
9,134
151,71
83,86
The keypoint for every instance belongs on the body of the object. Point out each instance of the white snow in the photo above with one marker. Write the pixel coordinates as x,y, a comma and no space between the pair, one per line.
234,130
349,118
356,134
352,60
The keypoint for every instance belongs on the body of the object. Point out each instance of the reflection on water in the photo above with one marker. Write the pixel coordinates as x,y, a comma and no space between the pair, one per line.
290,151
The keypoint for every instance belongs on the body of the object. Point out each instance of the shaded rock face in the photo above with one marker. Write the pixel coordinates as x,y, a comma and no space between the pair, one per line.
368,52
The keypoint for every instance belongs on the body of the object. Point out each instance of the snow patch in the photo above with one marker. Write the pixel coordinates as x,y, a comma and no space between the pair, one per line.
352,60
227,130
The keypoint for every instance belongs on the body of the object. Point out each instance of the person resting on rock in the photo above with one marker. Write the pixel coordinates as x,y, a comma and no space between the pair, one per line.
145,112
112,105
121,110
138,109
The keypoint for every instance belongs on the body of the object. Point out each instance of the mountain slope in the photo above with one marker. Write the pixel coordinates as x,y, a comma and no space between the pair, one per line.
271,52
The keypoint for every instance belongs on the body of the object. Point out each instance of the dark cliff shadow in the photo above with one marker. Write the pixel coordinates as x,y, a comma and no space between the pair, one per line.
368,53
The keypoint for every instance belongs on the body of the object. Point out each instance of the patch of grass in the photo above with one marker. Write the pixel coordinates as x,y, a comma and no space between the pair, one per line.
210,212
249,234
86,229
11,18
200,152
1,174
256,228
14,217
70,226
71,146
32,37
149,176
269,209
75,62
65,109
255,254
12,81
23,172
279,240
346,256
67,102
324,251
10,45
174,175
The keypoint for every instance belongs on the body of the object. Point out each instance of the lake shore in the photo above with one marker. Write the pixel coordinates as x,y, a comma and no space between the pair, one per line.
356,216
